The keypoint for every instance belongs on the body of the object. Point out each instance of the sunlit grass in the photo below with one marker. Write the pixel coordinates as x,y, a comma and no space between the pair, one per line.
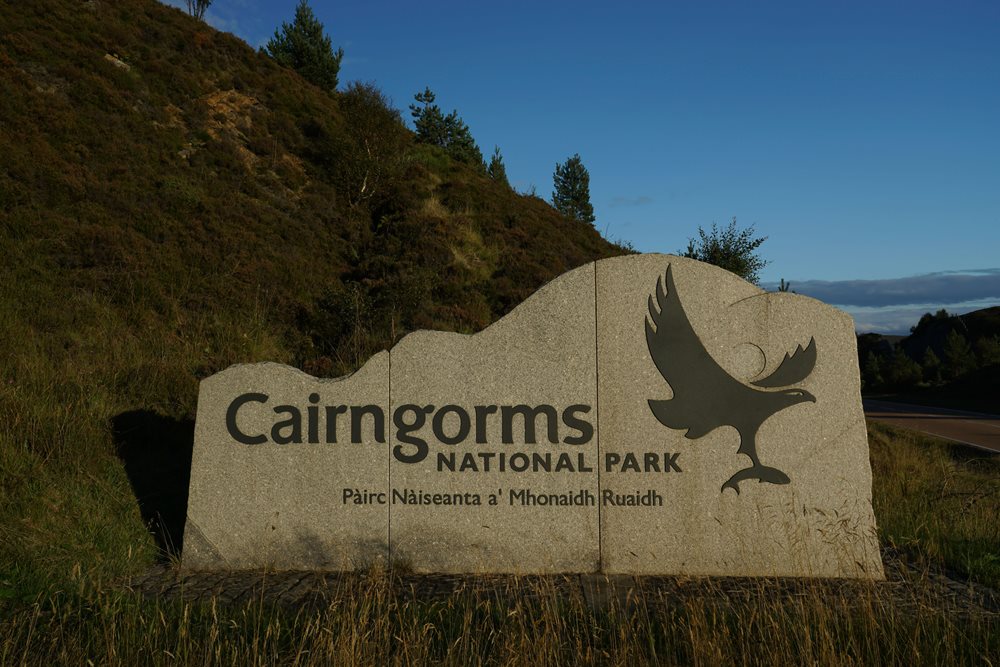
937,502
372,622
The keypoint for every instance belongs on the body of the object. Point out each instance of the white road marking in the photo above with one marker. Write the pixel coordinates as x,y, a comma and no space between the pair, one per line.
888,411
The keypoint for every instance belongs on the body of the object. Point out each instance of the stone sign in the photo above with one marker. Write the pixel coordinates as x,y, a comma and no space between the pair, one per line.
646,414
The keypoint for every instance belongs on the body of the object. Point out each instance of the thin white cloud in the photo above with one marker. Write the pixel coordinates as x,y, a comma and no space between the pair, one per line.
931,288
889,320
893,305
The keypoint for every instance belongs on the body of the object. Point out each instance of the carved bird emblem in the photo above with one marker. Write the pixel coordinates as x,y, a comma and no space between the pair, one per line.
706,396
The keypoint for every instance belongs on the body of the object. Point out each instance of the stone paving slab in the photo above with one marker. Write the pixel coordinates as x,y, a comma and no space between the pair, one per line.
907,588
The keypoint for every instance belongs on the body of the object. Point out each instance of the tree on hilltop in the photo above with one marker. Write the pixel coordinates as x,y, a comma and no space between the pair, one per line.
304,47
461,146
496,169
732,249
571,190
197,8
428,121
927,320
448,132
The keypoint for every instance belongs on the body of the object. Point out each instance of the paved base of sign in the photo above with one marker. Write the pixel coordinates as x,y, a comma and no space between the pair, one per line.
906,588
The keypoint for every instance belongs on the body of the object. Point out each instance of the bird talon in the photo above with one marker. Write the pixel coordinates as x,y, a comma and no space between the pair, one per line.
735,486
759,473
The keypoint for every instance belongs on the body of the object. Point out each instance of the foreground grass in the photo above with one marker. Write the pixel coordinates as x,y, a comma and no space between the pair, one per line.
372,624
936,503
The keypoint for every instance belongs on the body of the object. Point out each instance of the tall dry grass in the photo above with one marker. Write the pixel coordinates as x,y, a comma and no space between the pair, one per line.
532,623
937,502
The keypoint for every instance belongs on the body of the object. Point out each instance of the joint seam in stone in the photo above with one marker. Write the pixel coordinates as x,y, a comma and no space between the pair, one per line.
388,453
597,428
215,550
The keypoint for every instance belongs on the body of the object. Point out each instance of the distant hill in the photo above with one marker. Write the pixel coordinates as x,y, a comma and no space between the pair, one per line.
173,202
932,333
947,360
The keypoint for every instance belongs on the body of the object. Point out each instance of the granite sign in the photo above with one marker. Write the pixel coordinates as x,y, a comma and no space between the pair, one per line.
646,414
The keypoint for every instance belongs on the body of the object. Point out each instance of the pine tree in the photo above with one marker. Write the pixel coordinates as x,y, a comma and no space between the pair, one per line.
932,367
871,374
448,132
496,169
304,47
901,371
428,121
988,350
571,193
459,143
958,354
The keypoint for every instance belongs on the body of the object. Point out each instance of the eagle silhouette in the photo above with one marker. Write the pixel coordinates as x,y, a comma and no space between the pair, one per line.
706,396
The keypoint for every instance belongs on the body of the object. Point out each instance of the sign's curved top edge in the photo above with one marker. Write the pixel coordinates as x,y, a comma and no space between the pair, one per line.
278,367
593,266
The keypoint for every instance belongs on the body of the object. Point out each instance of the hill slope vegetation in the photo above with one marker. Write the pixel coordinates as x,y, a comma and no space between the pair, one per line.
172,202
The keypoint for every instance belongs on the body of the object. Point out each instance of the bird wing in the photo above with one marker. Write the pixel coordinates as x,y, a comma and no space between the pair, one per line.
794,368
702,389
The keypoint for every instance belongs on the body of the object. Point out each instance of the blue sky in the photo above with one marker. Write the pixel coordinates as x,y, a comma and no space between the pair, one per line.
860,137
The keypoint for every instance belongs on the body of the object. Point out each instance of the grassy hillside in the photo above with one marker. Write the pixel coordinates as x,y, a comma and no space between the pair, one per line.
172,202
932,331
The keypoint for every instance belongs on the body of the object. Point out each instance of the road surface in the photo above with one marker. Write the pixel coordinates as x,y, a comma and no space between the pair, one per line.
968,428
